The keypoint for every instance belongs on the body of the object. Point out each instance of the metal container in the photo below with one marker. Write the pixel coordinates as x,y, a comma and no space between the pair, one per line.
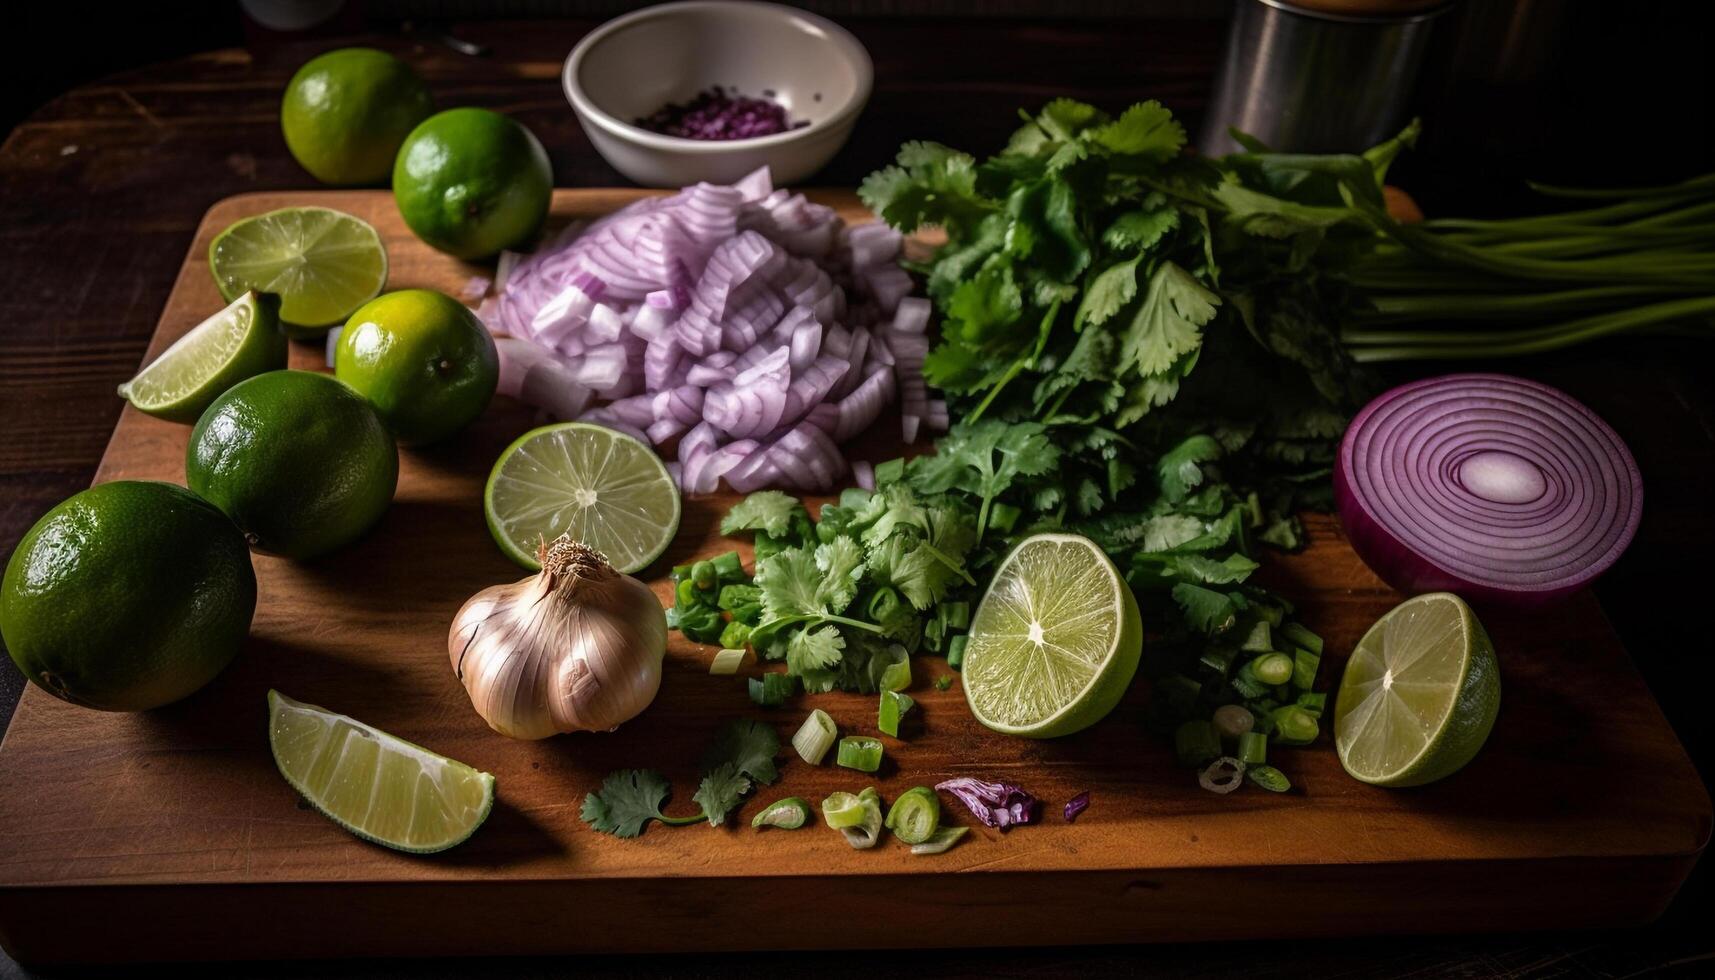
1322,80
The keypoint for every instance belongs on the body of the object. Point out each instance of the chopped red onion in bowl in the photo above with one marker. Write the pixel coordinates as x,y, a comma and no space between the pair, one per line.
720,113
748,316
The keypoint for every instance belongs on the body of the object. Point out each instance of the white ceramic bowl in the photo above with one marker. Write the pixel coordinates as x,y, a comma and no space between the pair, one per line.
631,66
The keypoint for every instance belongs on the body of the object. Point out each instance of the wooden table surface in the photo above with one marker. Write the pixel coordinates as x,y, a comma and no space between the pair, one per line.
101,190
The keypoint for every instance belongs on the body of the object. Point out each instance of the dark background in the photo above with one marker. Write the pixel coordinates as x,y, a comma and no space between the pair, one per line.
1567,91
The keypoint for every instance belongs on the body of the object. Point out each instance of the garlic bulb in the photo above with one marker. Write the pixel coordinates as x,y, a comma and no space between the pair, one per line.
575,648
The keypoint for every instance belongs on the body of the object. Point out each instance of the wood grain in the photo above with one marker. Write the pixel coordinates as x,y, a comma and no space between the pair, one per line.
159,819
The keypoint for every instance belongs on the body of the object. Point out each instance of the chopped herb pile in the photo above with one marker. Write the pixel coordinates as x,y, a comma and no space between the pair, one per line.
741,757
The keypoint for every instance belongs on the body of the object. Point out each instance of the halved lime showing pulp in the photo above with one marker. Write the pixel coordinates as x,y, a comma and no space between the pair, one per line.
1419,694
322,263
606,489
1055,641
239,342
381,788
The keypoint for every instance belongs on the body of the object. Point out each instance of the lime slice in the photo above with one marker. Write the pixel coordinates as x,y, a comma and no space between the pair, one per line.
322,263
605,488
239,342
1055,642
381,788
1419,694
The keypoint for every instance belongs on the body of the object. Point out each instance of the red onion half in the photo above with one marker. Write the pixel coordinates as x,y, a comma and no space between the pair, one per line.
1493,487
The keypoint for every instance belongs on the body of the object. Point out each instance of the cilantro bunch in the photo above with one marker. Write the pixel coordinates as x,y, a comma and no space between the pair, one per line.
742,756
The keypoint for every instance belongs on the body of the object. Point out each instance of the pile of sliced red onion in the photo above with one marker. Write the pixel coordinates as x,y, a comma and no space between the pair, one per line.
747,323
1494,487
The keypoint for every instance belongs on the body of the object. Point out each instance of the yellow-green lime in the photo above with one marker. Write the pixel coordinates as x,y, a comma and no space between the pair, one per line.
1055,642
300,462
346,112
127,596
471,182
1419,694
423,359
380,787
605,488
322,263
239,342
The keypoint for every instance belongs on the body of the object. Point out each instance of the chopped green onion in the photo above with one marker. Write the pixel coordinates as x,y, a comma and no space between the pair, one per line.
1294,726
1302,637
1258,640
704,576
1219,659
915,815
884,605
743,601
1314,702
772,690
1272,615
729,567
735,636
788,814
842,810
957,614
891,471
1232,720
869,793
944,682
1246,682
1223,775
1304,666
685,593
1180,692
944,837
815,737
1269,778
1272,668
859,752
1195,743
897,676
1004,517
1253,748
956,651
933,631
727,661
893,708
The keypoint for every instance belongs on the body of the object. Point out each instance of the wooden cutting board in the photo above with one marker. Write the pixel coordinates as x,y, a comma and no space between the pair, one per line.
169,834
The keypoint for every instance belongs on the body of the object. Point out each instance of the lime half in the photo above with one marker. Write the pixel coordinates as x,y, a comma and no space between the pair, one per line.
239,342
605,488
381,788
1055,642
1419,694
322,263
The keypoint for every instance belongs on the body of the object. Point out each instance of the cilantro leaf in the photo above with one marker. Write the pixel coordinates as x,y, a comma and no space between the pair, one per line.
720,792
1147,130
749,745
814,649
841,563
1113,288
627,800
1140,230
931,185
1179,470
984,305
983,459
1167,325
790,584
1207,610
1063,119
768,511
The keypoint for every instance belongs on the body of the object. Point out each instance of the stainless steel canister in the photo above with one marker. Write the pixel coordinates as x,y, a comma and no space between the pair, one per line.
1317,76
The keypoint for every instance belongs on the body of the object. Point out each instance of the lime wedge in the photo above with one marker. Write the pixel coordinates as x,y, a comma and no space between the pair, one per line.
239,342
322,263
1419,694
1055,642
381,788
605,488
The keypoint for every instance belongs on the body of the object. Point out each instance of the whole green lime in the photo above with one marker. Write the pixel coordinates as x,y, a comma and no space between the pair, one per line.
346,112
300,462
471,182
127,596
422,359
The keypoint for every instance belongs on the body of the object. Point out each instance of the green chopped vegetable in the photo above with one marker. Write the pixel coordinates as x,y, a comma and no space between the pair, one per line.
941,840
1302,637
842,810
859,752
1304,667
1232,721
857,818
1268,777
1195,744
893,708
1253,748
1272,668
1258,640
915,815
897,676
956,652
815,737
772,689
742,755
727,661
944,682
787,814
1313,702
735,635
1294,726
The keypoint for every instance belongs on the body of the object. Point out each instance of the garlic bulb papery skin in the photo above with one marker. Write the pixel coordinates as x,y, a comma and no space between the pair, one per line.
577,647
